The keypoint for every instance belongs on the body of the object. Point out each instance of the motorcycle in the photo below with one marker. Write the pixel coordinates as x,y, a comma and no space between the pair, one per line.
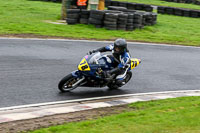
90,73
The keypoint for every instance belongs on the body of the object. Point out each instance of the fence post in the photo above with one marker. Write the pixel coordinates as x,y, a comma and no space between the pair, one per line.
101,5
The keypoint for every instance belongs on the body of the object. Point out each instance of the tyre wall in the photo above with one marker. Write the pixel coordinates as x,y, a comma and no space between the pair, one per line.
50,0
179,11
116,18
160,9
128,5
196,2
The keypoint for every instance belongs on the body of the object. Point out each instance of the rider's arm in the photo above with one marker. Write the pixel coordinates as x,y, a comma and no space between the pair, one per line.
124,61
123,65
103,49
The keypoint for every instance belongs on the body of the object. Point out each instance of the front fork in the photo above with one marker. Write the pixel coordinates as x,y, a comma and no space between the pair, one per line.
76,74
79,77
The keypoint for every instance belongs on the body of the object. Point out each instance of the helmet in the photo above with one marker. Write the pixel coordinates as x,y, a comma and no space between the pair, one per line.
120,46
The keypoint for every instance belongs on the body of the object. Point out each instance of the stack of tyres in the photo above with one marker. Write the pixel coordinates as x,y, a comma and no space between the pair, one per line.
107,3
131,11
178,11
131,6
112,11
114,3
194,13
145,17
154,18
185,1
84,16
150,18
161,9
199,14
110,21
186,13
169,10
56,0
73,16
139,7
122,21
197,2
122,4
96,18
137,20
148,8
129,24
117,8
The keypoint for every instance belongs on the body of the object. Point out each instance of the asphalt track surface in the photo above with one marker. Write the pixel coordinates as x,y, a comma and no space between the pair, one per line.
31,69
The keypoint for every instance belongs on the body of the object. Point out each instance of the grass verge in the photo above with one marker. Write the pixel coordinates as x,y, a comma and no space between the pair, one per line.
179,115
28,17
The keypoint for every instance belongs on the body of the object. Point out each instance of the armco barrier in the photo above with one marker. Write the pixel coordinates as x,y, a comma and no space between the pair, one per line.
117,18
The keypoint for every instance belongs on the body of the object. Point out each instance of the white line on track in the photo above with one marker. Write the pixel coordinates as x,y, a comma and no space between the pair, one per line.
69,40
96,98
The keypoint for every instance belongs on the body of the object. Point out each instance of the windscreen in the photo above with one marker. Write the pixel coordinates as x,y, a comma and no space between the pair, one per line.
97,58
94,58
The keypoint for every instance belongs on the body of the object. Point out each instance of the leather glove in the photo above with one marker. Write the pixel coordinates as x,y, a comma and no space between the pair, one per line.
91,52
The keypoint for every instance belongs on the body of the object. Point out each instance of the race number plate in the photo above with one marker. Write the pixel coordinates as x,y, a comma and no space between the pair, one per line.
83,66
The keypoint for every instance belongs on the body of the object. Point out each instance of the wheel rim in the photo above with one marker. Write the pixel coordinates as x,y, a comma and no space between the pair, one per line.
68,85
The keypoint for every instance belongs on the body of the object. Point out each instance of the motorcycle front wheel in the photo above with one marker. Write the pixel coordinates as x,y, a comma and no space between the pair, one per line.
66,84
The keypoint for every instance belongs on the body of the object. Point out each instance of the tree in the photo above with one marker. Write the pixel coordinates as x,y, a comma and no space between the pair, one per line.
64,9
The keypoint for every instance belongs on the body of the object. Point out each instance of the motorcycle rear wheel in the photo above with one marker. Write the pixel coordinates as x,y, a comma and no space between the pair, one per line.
128,76
65,85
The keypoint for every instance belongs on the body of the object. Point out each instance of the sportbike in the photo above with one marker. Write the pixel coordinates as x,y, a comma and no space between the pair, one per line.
90,73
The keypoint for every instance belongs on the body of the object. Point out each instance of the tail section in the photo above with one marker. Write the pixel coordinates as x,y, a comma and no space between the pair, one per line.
135,62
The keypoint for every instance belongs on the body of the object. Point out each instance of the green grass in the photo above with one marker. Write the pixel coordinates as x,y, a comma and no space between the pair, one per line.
180,115
27,17
164,3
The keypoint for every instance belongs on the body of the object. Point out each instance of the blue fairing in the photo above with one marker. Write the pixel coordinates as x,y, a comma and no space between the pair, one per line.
76,74
95,61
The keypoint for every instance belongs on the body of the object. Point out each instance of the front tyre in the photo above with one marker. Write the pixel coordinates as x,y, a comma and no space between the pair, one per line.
66,84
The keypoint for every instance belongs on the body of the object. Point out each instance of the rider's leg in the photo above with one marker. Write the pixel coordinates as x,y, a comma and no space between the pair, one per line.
120,73
120,79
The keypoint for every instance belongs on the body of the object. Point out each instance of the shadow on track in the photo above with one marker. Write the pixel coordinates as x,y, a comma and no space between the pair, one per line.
89,93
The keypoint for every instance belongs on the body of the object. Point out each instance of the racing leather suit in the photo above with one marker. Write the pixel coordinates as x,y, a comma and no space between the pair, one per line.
121,63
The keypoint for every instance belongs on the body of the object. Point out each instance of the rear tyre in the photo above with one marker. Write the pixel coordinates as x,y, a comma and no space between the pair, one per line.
128,76
65,85
113,86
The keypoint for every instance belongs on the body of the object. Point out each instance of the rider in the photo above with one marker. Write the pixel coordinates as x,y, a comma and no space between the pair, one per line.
120,59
